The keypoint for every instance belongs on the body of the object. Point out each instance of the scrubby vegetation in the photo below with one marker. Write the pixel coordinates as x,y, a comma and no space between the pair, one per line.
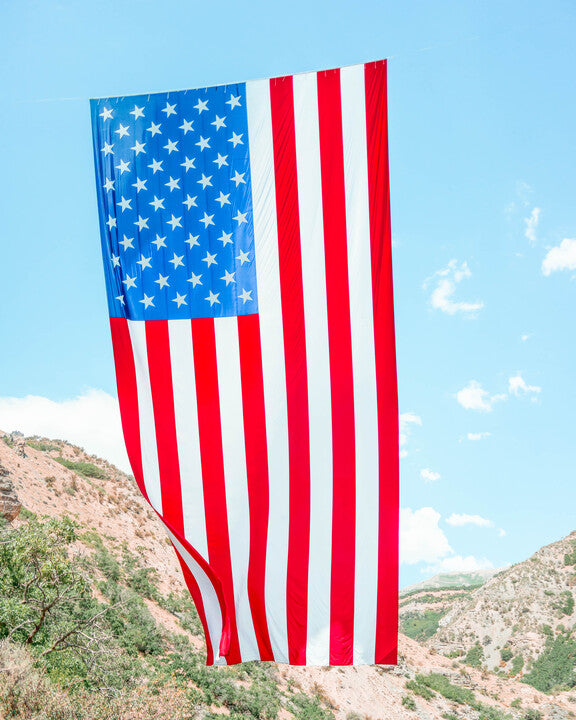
421,626
554,669
81,467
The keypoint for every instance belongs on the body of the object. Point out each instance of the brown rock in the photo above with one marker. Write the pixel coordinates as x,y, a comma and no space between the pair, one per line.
9,503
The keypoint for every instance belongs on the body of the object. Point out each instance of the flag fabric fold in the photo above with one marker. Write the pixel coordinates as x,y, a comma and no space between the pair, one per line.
246,241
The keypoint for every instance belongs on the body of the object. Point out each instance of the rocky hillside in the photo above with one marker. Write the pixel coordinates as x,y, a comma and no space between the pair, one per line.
145,656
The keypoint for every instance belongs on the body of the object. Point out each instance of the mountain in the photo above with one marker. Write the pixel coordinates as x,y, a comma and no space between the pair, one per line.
444,581
138,651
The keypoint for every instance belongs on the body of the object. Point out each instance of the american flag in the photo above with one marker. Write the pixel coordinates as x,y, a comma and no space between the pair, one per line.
246,241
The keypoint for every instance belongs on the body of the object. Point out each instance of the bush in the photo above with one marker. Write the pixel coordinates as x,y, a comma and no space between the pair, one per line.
565,603
517,664
82,468
419,688
506,654
440,683
408,702
532,714
474,656
555,666
421,626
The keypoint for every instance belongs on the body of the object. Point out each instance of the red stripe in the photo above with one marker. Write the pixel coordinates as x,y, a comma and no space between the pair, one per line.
257,473
194,590
341,375
210,434
383,305
160,371
290,262
128,396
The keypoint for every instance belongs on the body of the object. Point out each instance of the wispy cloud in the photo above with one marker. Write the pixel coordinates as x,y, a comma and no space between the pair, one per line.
445,282
405,421
458,563
531,223
517,386
561,257
429,475
478,436
525,337
474,397
90,420
459,520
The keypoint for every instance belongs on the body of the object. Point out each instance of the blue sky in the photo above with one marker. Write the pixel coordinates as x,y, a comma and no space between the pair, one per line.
482,150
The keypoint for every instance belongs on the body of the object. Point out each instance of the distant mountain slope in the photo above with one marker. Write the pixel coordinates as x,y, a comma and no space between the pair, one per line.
450,580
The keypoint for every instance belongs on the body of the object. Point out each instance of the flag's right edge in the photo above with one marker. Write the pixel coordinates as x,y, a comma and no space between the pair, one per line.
387,393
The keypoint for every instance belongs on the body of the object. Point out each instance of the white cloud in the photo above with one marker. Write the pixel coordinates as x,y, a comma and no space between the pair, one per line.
459,520
531,223
421,539
457,563
525,337
517,386
445,280
478,436
501,532
561,257
405,420
429,475
474,397
91,420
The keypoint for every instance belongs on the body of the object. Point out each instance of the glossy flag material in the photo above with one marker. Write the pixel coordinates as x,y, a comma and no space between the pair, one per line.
246,241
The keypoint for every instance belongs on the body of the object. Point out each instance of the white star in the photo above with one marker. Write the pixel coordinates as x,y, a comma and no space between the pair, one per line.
147,301
140,184
127,242
233,102
122,130
177,260
243,257
173,183
195,280
159,242
175,222
115,260
106,114
236,139
238,178
172,146
111,222
129,282
192,240
204,143
223,199
219,122
226,238
220,160
158,203
107,149
180,299
137,112
144,262
228,277
169,109
207,220
156,165
138,148
125,204
188,163
142,223
120,299
212,298
209,259
123,167
186,126
205,181
109,184
155,129
201,105
240,217
162,281
190,201
246,295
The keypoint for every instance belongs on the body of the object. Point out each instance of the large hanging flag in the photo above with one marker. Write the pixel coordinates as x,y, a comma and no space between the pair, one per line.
246,240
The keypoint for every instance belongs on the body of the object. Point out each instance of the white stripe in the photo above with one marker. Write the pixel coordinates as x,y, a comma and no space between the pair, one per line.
317,364
210,600
148,447
363,361
235,476
272,340
187,435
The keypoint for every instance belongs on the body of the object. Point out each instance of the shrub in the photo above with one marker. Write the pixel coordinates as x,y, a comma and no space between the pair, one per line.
565,603
475,655
506,654
421,626
408,702
532,714
555,666
82,468
517,664
440,683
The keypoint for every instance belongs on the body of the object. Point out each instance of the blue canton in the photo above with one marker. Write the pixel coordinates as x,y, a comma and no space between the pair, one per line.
175,203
